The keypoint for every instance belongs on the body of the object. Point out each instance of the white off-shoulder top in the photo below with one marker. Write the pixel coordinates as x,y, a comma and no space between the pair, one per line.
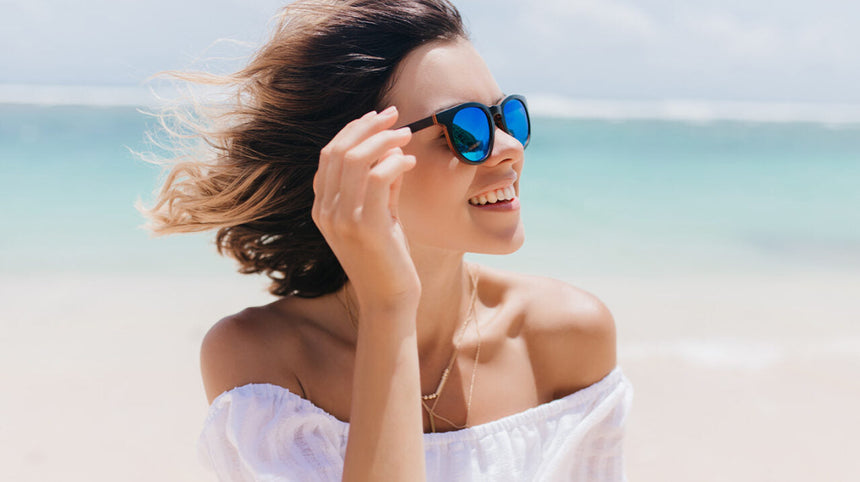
263,432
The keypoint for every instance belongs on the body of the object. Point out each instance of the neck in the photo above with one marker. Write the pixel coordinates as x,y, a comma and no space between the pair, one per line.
446,294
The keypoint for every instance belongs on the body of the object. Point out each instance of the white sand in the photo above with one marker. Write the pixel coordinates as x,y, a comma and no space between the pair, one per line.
740,378
737,378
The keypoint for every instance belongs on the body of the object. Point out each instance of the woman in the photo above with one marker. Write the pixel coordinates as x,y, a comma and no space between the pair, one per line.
368,149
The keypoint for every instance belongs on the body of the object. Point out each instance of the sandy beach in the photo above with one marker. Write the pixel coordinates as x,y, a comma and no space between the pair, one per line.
737,378
695,166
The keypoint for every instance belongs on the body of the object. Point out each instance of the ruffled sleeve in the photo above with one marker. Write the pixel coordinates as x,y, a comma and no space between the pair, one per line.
264,432
593,442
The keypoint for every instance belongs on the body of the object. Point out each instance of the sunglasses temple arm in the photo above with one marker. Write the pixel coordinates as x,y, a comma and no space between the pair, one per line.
422,124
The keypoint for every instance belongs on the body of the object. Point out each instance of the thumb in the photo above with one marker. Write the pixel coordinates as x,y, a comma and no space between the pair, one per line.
394,193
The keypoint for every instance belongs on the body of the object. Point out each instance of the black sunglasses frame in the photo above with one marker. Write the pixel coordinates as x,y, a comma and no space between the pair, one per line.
495,118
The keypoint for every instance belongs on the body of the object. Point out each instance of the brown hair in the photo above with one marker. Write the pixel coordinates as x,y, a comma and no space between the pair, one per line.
325,64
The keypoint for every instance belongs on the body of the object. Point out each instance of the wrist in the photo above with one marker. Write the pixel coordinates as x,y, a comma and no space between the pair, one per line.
388,319
388,310
399,304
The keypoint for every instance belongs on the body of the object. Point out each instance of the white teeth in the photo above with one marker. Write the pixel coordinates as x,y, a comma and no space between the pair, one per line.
494,196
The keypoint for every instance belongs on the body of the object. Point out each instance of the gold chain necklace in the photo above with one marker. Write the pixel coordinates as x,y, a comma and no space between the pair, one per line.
431,411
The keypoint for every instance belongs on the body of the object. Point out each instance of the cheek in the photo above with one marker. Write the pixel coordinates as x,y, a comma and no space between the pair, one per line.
423,187
437,174
432,192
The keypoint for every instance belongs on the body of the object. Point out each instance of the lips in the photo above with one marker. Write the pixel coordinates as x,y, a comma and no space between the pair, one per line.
493,196
510,205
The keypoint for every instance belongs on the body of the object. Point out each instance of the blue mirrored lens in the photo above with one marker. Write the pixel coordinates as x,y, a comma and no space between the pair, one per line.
471,133
517,120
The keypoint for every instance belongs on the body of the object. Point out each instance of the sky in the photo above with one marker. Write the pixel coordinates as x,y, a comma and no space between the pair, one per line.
726,50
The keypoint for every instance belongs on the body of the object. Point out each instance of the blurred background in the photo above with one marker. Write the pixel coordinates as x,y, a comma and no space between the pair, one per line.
693,164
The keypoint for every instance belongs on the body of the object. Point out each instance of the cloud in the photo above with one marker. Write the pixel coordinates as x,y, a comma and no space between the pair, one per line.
734,38
623,49
615,18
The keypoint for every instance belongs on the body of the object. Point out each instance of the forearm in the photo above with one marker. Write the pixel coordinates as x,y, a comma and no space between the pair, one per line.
385,434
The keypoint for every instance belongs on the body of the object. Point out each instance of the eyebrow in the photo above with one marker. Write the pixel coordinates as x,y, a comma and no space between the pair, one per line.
496,102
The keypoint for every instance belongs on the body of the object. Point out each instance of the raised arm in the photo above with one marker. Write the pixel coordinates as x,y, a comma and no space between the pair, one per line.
356,189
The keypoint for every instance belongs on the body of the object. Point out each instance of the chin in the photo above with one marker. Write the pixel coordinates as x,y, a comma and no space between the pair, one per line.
482,241
503,246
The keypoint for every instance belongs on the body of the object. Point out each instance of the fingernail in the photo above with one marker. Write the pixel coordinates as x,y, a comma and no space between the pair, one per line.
389,110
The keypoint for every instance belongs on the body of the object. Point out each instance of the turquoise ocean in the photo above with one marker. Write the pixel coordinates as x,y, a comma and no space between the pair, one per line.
614,197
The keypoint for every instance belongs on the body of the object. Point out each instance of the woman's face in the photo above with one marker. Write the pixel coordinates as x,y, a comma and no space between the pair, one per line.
434,199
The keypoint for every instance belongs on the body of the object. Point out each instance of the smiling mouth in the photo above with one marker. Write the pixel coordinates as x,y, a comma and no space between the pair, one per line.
494,197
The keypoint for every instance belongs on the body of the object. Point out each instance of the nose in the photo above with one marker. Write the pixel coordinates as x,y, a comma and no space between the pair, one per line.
505,147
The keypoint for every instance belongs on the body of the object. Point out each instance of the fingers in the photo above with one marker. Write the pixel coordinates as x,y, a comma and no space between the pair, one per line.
341,178
359,160
356,187
394,196
372,148
331,152
328,178
329,168
383,185
357,131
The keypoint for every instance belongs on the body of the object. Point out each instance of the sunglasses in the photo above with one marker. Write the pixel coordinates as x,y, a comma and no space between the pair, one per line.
470,127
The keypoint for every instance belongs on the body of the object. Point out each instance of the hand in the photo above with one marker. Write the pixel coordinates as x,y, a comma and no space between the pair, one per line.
356,188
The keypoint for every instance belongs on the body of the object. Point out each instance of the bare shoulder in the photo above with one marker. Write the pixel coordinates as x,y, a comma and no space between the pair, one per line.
570,333
246,347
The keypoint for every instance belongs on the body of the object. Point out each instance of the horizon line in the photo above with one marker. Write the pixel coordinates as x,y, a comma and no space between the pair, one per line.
541,105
